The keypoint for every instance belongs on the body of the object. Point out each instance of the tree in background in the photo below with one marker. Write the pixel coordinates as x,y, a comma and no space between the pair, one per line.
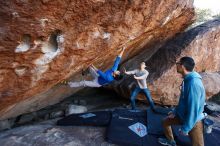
203,15
217,16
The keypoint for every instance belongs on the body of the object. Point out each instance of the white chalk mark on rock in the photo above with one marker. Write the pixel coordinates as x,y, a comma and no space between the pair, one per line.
107,36
77,45
20,71
96,34
47,57
24,44
22,47
166,20
15,15
44,21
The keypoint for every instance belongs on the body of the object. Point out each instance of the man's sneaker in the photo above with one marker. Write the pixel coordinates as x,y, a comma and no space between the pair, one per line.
167,142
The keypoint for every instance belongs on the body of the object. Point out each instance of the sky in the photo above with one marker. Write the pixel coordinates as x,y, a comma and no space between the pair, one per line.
213,5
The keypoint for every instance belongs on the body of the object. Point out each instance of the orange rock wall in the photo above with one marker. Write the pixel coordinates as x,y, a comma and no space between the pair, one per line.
45,41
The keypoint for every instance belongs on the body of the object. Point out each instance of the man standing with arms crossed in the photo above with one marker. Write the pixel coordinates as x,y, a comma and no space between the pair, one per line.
189,112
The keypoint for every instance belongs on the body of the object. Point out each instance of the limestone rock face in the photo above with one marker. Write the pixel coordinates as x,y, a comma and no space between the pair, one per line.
202,43
43,42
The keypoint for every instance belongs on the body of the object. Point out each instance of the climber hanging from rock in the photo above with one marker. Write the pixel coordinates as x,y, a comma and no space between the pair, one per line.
101,78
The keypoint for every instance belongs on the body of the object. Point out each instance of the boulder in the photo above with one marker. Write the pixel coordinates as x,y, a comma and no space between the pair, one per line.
44,42
6,124
27,118
56,114
212,83
202,43
75,109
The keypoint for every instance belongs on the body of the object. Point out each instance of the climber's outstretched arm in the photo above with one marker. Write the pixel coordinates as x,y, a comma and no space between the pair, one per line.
122,51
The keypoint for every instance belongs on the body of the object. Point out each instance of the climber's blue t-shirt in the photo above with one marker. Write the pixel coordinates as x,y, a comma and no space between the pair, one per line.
106,77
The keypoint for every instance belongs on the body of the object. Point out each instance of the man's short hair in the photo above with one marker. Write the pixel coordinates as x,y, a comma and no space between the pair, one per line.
188,63
118,77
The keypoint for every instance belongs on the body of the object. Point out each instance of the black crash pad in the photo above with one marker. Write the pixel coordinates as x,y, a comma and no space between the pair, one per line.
162,110
129,128
154,120
212,139
99,118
